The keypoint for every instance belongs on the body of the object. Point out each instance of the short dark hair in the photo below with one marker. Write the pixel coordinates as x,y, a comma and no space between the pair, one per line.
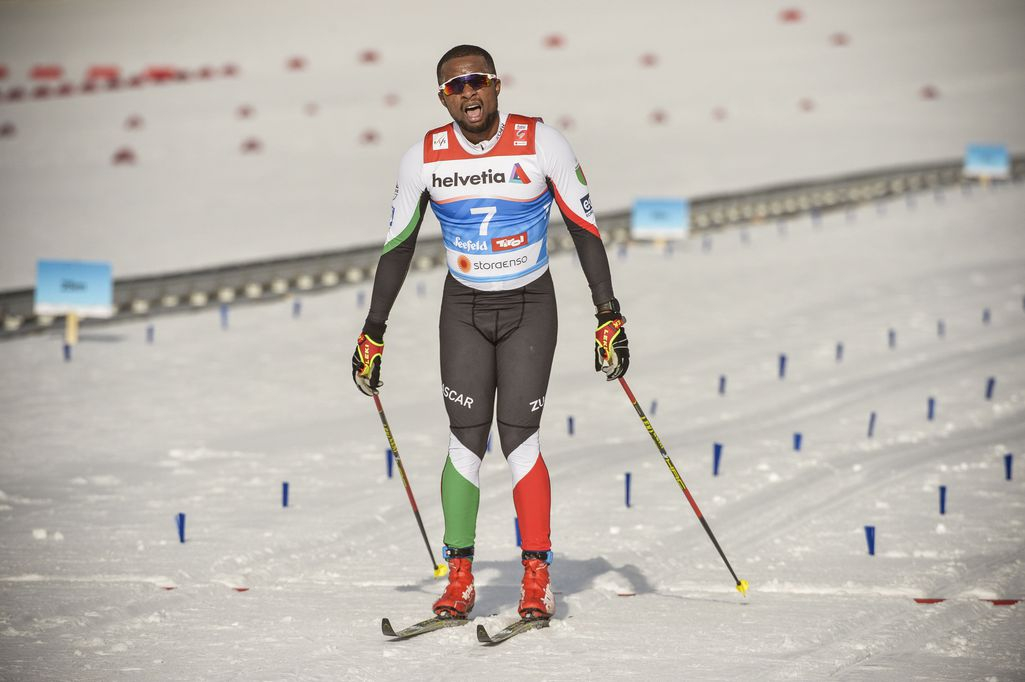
466,51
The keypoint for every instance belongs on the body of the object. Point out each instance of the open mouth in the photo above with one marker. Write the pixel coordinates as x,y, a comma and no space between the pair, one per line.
474,112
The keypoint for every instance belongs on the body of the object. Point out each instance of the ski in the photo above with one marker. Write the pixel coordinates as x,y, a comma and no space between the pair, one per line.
423,627
508,631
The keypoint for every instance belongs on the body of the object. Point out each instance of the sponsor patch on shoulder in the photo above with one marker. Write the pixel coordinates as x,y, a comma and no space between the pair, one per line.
585,202
440,140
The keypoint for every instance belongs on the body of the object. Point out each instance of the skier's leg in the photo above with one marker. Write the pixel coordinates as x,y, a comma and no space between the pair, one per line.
468,378
524,365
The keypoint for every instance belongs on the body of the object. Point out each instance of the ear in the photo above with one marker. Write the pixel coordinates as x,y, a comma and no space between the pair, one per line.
441,98
498,86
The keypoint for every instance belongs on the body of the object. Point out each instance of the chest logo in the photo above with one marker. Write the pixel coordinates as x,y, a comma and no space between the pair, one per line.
440,140
518,175
506,243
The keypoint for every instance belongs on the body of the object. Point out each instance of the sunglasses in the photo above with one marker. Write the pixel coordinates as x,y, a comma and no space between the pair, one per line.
476,81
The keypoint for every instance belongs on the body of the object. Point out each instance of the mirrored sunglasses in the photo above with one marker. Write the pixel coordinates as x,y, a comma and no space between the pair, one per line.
476,81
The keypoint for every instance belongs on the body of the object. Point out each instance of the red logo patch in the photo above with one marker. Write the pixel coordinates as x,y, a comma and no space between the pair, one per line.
464,263
506,243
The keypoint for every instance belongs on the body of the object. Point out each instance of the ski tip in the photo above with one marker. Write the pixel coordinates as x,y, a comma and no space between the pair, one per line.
742,587
441,570
386,628
482,635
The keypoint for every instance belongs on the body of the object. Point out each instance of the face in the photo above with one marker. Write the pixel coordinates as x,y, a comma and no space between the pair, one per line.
476,111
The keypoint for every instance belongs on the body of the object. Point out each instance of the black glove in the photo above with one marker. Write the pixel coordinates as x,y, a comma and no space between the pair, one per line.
611,349
366,359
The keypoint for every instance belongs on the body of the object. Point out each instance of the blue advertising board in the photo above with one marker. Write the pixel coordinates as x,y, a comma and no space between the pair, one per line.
987,161
660,219
83,288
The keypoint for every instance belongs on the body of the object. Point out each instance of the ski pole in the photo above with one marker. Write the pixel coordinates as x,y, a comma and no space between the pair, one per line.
742,585
439,569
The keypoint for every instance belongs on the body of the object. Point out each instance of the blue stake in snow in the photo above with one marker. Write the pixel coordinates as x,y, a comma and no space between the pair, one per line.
361,297
1008,463
781,228
870,538
389,458
782,365
621,251
941,328
67,352
516,525
892,338
421,289
816,217
943,499
797,441
150,333
931,409
569,425
297,308
722,384
224,316
910,199
706,243
744,237
179,521
880,208
871,425
284,493
654,405
628,490
716,458
839,351
488,446
985,315
669,249
991,383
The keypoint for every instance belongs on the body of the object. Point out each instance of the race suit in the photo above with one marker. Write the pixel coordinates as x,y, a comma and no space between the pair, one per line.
498,322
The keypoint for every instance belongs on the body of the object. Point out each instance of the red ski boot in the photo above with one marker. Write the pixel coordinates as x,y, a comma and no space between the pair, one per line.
536,600
459,596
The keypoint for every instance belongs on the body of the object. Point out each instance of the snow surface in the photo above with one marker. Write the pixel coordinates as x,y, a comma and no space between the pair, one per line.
99,454
193,199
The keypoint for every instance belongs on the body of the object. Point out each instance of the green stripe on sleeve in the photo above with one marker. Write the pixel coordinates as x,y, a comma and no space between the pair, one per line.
404,235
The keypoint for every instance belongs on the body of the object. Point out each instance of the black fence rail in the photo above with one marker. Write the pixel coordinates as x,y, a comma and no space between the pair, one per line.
276,278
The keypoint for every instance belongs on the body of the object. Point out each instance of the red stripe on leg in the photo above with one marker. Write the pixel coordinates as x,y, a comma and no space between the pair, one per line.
533,499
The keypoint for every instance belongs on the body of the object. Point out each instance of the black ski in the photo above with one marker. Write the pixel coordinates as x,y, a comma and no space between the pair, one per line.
508,631
424,626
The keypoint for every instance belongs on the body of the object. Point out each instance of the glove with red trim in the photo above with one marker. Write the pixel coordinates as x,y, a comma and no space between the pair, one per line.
611,350
366,359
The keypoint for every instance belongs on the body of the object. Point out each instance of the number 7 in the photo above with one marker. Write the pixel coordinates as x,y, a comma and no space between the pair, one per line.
488,212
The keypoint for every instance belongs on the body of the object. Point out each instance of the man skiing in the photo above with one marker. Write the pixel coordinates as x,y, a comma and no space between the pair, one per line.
491,179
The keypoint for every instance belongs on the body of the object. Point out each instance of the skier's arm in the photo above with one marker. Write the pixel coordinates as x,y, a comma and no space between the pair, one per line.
408,208
573,197
568,184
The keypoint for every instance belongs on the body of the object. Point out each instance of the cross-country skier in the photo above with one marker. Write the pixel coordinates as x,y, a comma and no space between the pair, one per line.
491,179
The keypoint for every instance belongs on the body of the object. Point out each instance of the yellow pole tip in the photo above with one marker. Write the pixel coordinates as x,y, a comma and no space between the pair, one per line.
440,571
742,587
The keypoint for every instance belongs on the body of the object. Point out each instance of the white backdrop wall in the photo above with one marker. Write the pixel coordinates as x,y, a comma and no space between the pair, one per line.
736,98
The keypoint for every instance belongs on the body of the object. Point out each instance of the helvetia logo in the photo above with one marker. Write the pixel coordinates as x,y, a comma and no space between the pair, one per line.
485,177
518,176
507,243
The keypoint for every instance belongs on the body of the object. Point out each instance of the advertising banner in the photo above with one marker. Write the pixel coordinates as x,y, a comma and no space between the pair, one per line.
660,219
81,288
